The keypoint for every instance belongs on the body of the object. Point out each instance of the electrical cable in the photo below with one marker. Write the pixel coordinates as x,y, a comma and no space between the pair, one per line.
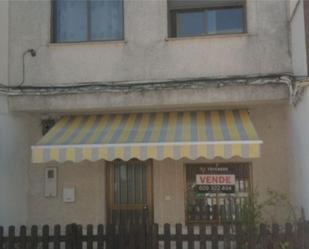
156,85
32,52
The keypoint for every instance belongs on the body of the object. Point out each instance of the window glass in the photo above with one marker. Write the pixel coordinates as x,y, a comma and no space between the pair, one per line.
216,193
88,20
71,20
205,20
106,19
225,21
191,23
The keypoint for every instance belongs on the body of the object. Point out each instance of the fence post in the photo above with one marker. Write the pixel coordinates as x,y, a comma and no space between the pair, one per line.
57,234
178,236
239,236
78,237
227,238
23,237
74,236
251,238
289,235
154,236
214,236
110,235
306,235
263,236
148,236
11,238
275,236
121,236
140,231
202,232
34,237
146,222
299,234
89,236
302,235
190,236
1,238
45,238
167,236
134,236
68,237
100,236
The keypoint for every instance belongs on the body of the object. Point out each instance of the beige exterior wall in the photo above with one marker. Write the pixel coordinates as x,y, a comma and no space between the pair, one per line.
88,178
15,140
269,172
146,53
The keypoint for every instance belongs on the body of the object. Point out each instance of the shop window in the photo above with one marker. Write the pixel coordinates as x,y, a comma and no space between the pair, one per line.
87,20
216,193
198,18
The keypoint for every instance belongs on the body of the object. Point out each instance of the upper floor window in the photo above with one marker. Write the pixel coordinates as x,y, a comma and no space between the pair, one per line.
197,18
87,20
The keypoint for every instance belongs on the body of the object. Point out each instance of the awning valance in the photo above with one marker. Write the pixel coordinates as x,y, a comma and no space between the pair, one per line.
206,134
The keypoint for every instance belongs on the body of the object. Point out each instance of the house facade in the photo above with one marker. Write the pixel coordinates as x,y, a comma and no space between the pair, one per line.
178,108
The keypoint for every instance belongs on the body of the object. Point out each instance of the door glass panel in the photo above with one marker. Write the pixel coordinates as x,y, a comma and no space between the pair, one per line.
129,191
129,184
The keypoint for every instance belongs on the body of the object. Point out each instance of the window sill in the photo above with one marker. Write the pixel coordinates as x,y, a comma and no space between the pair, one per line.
87,43
208,37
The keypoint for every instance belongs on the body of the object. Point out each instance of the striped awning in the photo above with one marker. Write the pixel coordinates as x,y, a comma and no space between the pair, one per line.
206,134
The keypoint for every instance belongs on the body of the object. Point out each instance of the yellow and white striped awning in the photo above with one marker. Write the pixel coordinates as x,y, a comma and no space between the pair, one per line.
206,134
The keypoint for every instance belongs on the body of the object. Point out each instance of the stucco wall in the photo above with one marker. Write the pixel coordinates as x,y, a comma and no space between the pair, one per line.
292,6
298,42
4,41
269,172
146,54
298,116
89,207
299,171
15,142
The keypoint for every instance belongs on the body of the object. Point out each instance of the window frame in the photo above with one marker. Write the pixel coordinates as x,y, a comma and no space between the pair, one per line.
53,26
229,164
173,26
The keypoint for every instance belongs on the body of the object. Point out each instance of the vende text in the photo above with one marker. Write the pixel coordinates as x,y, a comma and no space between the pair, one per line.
215,179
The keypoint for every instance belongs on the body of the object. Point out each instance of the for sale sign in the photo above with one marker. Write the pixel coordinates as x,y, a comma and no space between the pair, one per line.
215,179
214,183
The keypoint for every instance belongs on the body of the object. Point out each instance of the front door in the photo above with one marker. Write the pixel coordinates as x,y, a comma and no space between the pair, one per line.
129,192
